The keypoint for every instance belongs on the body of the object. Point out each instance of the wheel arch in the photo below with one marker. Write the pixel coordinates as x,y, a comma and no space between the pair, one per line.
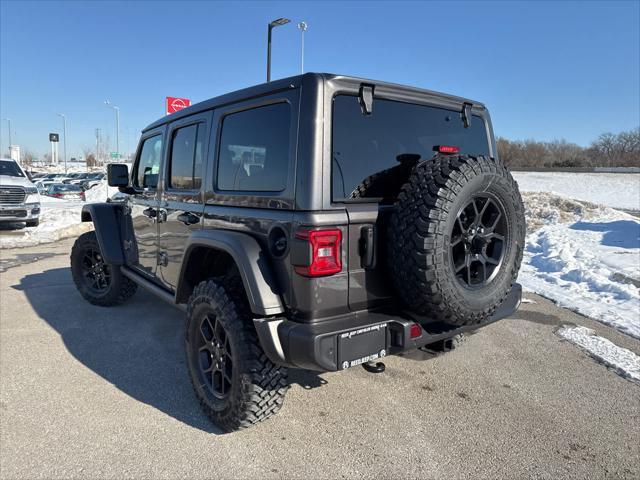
211,253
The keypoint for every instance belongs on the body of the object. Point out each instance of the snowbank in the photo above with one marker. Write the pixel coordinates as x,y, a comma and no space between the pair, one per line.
623,361
584,257
617,190
59,219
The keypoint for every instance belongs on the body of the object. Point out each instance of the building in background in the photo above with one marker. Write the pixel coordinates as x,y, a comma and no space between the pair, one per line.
14,152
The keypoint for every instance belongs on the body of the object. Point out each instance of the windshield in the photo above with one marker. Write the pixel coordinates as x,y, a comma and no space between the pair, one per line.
381,148
10,169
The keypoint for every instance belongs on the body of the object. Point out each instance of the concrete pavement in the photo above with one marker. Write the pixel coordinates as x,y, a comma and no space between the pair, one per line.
93,392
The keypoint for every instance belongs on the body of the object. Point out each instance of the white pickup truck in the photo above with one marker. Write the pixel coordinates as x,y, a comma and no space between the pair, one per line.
19,198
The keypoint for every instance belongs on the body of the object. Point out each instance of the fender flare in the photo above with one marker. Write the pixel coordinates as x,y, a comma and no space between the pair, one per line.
252,263
106,218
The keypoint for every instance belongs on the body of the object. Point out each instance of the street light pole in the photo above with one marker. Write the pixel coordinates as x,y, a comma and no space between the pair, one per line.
64,132
276,23
9,122
117,109
302,26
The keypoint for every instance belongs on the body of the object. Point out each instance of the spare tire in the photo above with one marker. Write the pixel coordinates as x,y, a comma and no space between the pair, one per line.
456,238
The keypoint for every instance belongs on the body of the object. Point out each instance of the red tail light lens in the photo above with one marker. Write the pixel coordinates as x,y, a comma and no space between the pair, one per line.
326,250
446,149
415,330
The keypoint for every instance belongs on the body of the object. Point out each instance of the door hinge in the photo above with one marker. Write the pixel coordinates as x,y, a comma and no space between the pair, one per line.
163,259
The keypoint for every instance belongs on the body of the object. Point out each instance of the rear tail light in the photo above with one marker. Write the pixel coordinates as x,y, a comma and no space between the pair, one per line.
446,149
325,249
82,195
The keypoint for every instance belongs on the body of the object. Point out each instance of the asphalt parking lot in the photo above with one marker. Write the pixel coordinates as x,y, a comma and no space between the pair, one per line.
93,392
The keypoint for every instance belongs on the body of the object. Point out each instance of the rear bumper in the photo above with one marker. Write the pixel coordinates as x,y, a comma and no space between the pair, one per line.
346,342
19,212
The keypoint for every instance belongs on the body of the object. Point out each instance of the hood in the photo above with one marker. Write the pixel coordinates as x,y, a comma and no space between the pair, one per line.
8,181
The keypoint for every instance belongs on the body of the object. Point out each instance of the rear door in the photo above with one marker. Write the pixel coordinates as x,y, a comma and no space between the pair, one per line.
182,203
144,203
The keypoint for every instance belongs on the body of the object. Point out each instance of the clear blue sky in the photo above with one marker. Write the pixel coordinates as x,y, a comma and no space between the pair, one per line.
545,69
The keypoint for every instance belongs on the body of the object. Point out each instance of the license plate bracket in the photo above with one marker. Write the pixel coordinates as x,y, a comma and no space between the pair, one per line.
362,345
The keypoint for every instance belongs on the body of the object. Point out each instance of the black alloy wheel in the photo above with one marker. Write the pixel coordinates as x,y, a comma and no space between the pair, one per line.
214,355
96,273
478,241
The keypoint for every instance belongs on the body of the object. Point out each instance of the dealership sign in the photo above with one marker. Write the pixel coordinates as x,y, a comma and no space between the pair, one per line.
174,104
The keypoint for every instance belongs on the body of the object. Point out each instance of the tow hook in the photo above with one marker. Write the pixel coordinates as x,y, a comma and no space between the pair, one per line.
373,367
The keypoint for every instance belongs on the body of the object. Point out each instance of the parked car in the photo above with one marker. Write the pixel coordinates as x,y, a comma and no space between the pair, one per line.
42,188
65,191
19,198
75,178
92,180
318,222
53,178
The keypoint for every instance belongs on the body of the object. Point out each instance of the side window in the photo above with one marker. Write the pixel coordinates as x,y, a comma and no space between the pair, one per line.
187,150
254,149
149,163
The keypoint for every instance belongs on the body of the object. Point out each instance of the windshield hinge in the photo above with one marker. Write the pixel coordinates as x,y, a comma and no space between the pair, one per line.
365,97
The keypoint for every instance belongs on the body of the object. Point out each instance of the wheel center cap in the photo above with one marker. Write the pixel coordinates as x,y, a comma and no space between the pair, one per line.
217,351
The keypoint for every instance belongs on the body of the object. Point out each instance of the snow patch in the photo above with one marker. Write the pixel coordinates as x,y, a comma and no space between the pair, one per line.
617,190
584,257
58,219
623,361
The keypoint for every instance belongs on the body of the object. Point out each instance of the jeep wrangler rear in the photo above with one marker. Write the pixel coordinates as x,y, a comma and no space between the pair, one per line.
317,222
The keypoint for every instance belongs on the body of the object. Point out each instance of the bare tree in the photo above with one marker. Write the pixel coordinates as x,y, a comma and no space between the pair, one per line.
612,150
89,157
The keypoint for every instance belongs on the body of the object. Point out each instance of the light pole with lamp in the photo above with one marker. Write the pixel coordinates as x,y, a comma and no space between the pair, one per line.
64,132
276,23
117,109
302,26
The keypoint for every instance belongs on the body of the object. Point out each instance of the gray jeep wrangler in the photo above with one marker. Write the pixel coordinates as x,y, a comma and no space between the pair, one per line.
317,222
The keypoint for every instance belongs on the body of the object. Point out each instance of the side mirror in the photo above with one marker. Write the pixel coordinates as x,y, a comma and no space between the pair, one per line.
117,175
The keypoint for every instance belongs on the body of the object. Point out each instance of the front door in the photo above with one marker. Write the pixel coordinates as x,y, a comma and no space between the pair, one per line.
182,205
144,203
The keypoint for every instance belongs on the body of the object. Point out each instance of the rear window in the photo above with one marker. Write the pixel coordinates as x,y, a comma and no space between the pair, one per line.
66,188
378,146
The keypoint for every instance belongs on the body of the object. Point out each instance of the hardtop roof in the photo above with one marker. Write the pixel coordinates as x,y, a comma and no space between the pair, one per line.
292,82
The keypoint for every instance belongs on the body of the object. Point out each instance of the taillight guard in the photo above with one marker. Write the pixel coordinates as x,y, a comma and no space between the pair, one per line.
326,252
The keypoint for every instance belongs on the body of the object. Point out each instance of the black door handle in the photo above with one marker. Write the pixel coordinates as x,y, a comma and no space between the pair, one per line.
188,218
150,212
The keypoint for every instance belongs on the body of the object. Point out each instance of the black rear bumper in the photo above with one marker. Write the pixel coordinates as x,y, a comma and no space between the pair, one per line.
346,342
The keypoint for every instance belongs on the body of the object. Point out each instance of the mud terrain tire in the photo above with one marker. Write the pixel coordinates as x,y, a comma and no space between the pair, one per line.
445,262
98,282
244,387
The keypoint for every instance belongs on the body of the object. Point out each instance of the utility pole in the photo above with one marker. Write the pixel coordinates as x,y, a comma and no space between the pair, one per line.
117,109
276,23
302,26
98,162
9,122
64,132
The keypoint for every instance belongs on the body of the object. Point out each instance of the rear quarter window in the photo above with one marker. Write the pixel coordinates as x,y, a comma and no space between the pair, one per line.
254,149
365,146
